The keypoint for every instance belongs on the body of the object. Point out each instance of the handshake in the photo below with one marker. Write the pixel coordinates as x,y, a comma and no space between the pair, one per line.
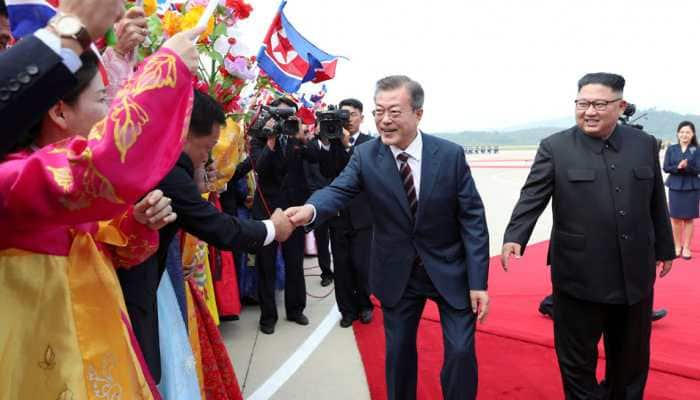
286,221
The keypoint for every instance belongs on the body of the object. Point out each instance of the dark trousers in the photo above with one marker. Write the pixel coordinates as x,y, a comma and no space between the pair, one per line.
139,285
294,284
578,327
322,251
351,265
459,370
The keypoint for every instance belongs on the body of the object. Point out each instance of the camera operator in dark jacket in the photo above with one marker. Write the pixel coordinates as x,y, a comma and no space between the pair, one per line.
351,230
278,151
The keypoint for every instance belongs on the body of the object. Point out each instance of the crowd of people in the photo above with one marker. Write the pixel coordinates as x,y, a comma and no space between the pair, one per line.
104,223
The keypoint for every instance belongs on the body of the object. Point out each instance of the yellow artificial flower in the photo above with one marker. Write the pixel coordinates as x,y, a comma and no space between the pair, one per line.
149,7
192,17
172,23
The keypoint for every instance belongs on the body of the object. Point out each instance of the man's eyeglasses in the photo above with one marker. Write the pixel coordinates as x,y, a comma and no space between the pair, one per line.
599,105
393,114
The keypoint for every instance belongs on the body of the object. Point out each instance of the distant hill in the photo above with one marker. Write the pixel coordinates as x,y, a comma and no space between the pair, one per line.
661,124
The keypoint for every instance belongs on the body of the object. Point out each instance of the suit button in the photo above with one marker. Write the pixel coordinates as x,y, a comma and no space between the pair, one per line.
24,78
13,85
618,189
32,69
607,146
612,166
623,213
625,236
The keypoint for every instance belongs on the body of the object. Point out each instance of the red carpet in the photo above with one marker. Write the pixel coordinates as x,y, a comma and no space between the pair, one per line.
515,345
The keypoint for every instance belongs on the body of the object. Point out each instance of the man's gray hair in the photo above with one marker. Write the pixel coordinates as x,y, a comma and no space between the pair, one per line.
393,82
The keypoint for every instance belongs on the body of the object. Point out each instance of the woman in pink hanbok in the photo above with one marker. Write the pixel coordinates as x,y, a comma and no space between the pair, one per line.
66,218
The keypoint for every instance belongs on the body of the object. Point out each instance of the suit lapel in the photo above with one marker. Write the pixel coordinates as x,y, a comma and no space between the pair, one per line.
390,175
430,165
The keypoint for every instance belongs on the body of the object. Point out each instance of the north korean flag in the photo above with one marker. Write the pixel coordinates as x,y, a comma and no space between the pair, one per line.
289,59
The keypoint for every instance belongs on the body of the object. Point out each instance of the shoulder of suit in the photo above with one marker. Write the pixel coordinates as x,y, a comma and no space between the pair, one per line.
442,143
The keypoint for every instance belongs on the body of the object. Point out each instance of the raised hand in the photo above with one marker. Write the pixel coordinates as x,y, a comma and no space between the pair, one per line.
283,226
96,15
131,30
182,44
509,249
154,210
301,215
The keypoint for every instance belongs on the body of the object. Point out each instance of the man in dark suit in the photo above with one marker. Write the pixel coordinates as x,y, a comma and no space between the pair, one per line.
351,230
195,216
610,230
38,71
316,181
430,238
279,164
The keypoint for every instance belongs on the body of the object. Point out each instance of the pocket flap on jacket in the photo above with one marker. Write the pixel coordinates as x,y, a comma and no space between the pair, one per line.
644,173
581,175
573,241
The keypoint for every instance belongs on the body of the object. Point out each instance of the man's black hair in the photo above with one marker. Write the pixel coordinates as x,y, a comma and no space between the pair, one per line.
354,103
205,113
613,81
3,9
276,102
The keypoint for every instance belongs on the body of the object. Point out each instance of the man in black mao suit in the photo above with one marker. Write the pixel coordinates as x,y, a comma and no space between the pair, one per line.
610,230
279,164
351,229
430,238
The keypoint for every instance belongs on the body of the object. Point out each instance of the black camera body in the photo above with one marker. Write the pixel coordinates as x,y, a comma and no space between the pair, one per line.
627,114
331,122
284,123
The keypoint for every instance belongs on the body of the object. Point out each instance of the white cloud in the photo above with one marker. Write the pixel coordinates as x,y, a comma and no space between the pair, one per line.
499,63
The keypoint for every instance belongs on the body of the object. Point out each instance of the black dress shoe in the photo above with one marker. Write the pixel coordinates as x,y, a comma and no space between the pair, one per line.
366,316
658,314
267,329
326,280
347,321
299,319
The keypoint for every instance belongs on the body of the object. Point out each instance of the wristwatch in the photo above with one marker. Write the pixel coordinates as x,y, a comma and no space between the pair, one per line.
69,27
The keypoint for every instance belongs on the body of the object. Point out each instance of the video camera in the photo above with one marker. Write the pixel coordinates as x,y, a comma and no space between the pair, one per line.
331,122
284,123
627,114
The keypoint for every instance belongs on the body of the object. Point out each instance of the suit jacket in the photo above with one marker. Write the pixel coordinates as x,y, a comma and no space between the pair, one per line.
314,176
32,79
685,179
449,233
610,223
281,175
231,198
358,213
197,217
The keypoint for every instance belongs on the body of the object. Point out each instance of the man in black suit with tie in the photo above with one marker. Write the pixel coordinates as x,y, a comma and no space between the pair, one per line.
351,229
279,164
610,230
429,237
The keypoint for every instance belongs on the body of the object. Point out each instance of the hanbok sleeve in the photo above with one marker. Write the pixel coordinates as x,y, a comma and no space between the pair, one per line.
129,241
126,154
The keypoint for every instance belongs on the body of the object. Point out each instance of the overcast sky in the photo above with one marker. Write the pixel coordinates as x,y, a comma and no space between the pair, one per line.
500,63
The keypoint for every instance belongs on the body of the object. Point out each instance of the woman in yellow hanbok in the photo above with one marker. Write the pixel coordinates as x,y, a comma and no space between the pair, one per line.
64,332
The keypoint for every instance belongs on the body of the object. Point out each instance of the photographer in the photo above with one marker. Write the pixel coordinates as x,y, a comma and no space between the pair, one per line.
351,233
278,151
317,181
